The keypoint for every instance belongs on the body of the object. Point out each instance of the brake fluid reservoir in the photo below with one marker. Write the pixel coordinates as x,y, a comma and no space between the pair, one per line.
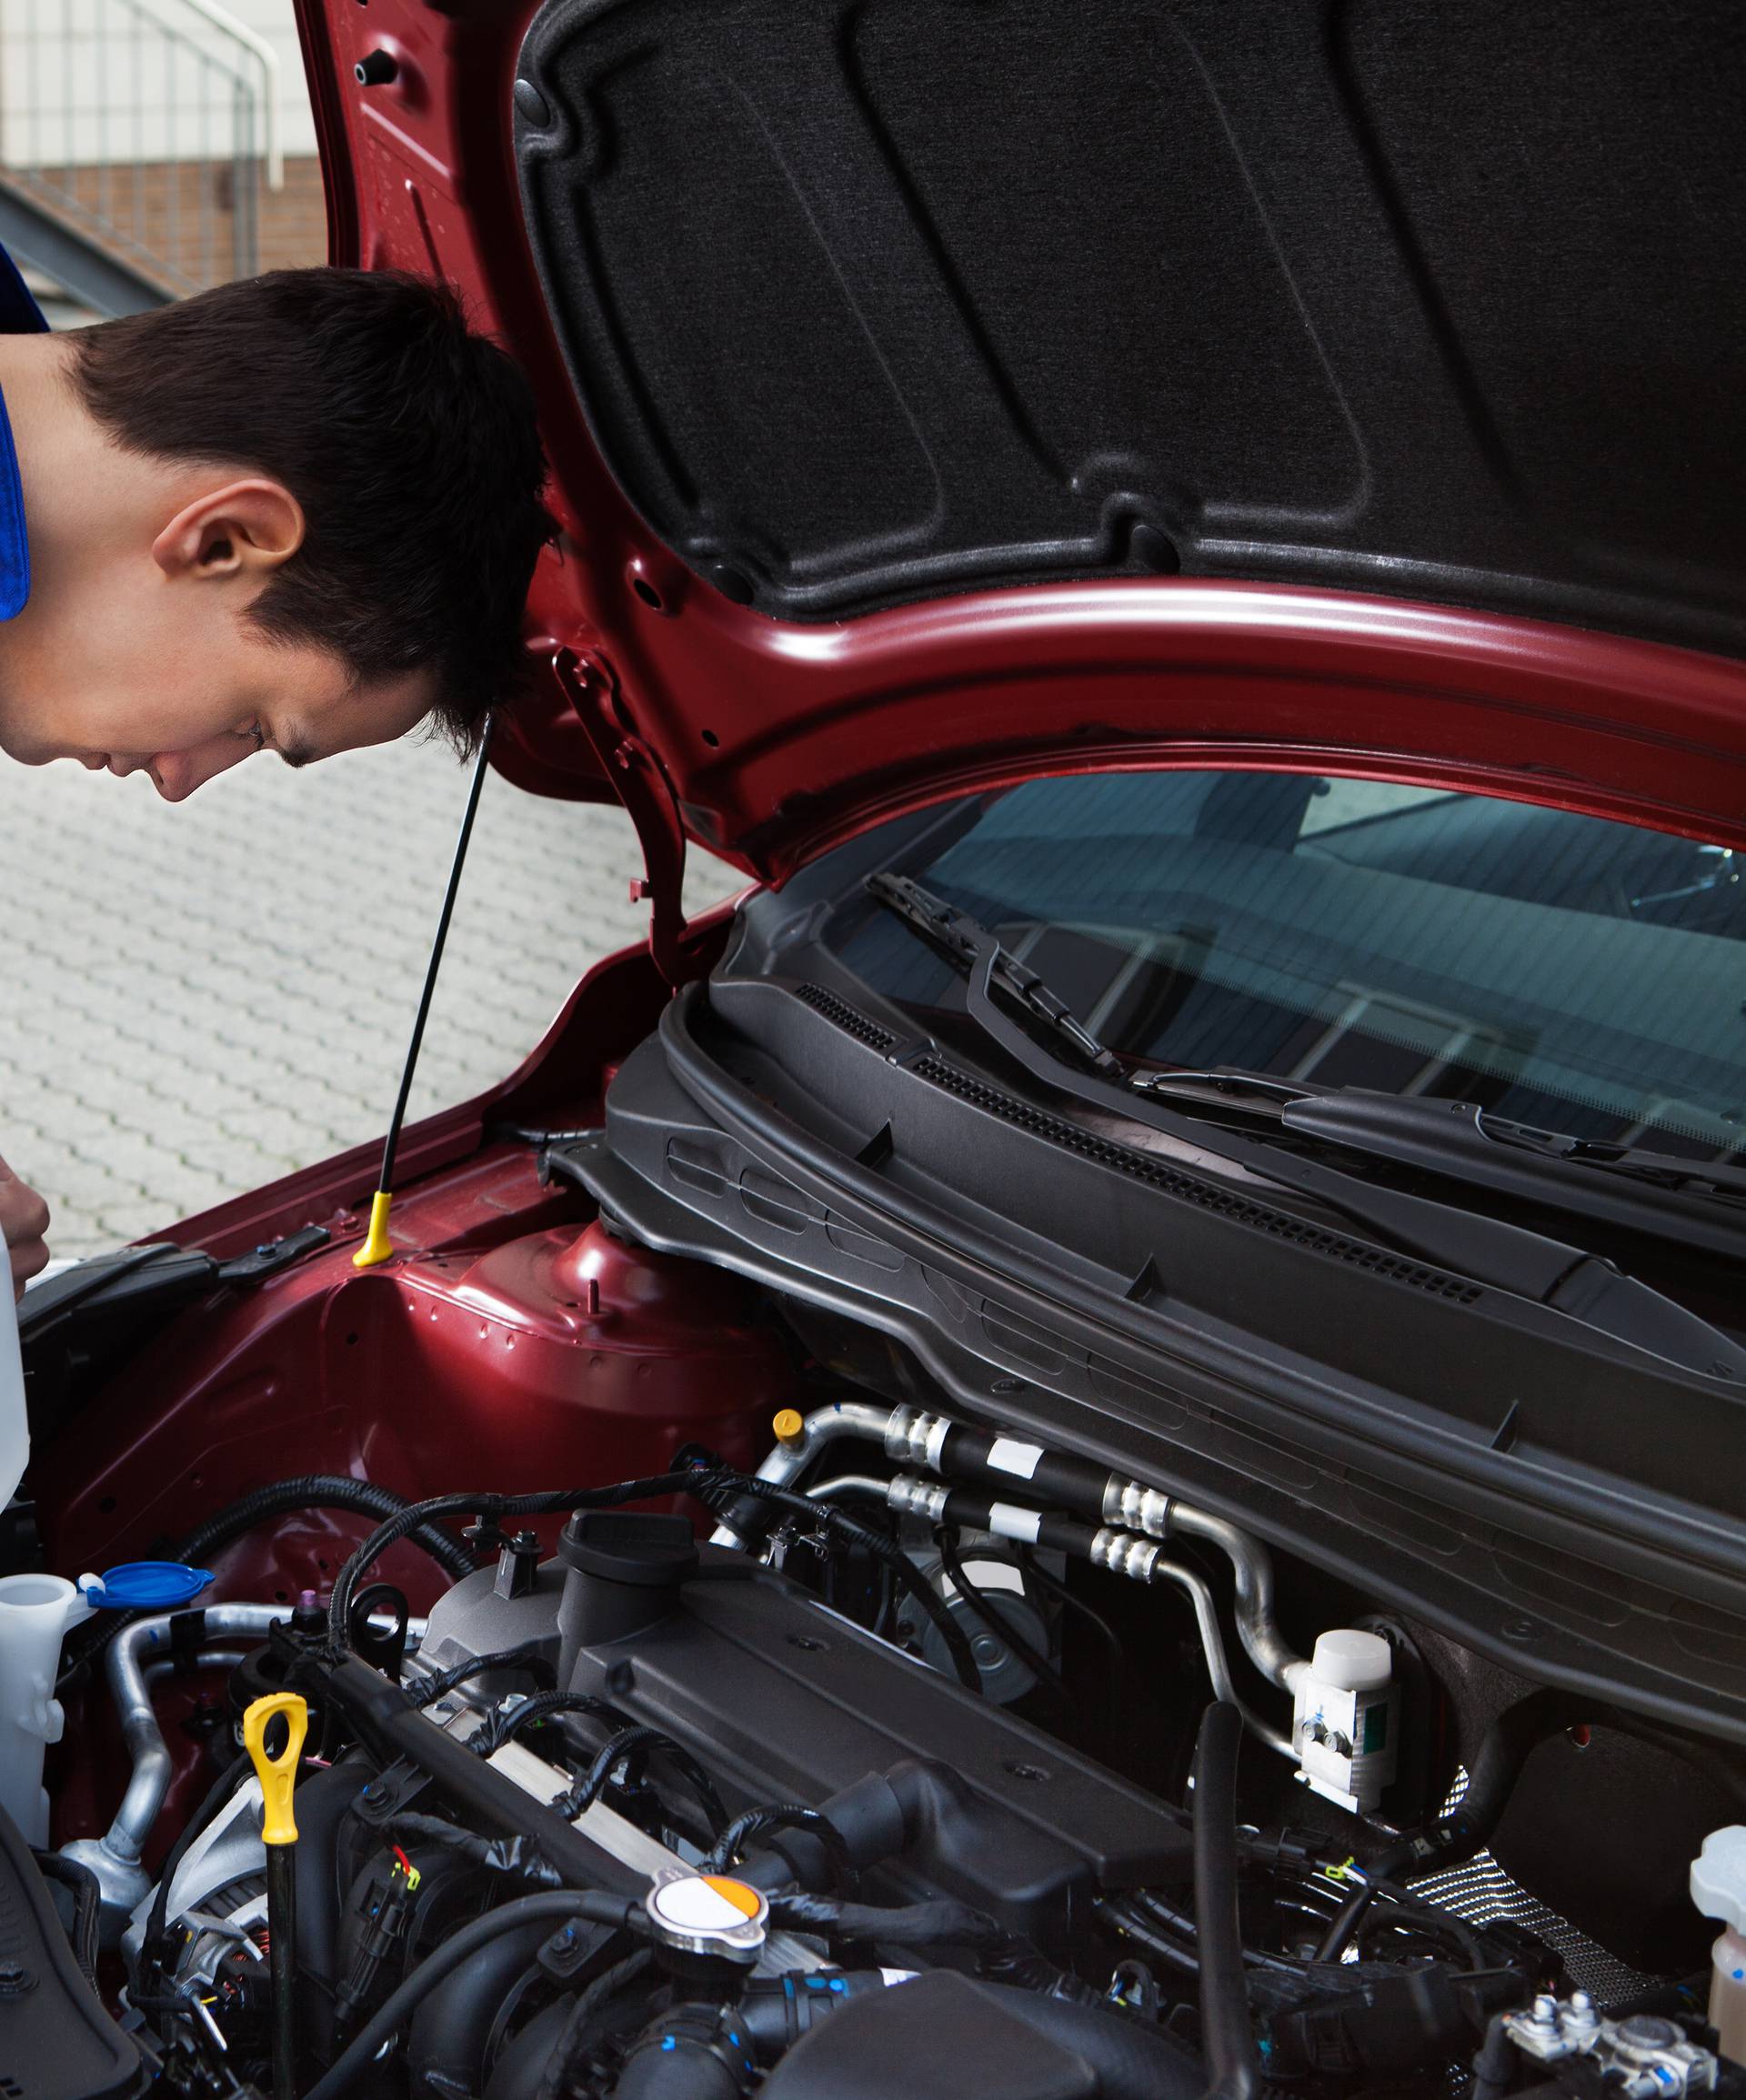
1344,1718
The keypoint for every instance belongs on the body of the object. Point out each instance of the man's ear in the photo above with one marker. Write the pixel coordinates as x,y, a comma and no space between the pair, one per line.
248,527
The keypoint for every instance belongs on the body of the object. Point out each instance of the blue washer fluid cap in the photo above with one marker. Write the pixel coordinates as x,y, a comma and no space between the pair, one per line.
146,1586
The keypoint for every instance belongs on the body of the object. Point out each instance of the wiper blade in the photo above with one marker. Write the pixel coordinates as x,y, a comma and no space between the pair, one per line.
1697,1203
965,941
1487,1249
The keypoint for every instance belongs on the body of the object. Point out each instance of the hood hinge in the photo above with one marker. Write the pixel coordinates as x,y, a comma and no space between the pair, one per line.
642,786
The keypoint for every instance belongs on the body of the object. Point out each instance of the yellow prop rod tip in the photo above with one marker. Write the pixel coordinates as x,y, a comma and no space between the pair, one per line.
377,1245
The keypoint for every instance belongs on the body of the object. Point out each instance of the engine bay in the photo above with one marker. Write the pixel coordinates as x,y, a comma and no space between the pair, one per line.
920,1757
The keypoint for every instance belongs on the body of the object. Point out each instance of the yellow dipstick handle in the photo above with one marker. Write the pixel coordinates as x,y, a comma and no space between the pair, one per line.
278,1775
377,1245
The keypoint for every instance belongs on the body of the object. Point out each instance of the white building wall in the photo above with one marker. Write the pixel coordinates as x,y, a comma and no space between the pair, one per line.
90,81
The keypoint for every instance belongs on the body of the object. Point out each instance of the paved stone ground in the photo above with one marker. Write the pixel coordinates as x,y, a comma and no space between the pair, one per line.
196,1000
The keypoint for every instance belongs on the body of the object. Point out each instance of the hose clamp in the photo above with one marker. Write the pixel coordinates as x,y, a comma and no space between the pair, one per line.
912,1497
1137,1508
914,1437
1123,1554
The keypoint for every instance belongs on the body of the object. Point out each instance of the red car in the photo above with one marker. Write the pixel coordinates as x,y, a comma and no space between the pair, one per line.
1095,1446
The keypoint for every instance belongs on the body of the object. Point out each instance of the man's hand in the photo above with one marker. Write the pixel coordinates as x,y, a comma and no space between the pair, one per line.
24,1222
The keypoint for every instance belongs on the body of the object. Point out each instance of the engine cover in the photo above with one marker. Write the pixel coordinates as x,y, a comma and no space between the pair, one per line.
785,1700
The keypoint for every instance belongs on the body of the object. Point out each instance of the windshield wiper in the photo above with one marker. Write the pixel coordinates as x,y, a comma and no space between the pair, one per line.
965,940
1695,1202
1477,1245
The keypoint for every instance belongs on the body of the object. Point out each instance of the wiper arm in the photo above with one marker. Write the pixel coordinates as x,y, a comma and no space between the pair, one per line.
1692,1203
965,941
1487,1249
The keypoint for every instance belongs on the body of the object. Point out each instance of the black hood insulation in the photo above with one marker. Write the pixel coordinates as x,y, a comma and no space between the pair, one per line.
867,300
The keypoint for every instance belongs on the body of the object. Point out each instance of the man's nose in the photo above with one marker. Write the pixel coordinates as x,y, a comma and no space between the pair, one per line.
176,774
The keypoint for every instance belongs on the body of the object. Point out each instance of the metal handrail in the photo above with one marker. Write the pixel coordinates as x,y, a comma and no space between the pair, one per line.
137,129
257,45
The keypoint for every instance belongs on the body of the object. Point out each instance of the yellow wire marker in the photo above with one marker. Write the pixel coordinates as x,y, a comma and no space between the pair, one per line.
378,1247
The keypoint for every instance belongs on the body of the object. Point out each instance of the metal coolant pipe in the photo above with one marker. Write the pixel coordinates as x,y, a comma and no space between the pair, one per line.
114,1857
911,1436
799,1441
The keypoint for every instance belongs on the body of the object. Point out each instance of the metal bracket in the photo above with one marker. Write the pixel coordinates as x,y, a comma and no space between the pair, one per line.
643,787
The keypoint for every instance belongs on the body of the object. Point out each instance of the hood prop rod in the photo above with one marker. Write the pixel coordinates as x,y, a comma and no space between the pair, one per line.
378,1247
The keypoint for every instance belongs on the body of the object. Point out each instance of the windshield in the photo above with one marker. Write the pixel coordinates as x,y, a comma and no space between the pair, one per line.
1569,971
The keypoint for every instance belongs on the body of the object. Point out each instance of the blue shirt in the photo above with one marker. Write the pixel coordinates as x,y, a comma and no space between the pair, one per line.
19,315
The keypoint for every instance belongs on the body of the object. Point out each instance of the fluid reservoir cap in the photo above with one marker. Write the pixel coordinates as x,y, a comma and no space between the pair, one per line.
1353,1661
145,1585
708,1913
1719,1877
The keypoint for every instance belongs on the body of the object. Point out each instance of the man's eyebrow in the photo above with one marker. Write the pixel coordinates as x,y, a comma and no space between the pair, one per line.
298,751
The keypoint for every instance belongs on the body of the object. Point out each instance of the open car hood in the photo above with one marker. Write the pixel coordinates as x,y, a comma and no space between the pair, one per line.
938,390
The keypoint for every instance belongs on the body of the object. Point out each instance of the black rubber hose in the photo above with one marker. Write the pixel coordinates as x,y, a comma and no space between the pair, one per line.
573,2042
1505,1748
1218,1936
455,1952
1133,2060
746,1829
709,1484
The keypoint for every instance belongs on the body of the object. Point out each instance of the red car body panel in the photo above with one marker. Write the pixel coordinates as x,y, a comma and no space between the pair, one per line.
771,740
767,743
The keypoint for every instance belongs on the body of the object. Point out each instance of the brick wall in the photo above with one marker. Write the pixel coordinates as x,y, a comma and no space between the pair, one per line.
175,221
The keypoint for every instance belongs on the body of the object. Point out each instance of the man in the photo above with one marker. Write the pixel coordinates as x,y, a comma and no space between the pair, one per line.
297,514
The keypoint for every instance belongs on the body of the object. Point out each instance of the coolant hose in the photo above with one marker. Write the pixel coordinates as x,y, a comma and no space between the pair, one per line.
556,1908
1132,2062
1227,2034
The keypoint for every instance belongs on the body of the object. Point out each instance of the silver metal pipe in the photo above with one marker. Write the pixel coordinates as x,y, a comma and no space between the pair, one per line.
114,1857
1253,1565
824,1426
851,1484
911,1437
125,1838
1212,1645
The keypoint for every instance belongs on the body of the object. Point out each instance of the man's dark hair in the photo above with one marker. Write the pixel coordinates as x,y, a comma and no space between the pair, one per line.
409,440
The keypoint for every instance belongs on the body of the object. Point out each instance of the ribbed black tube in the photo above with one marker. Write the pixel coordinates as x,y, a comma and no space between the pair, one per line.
1229,2039
322,1492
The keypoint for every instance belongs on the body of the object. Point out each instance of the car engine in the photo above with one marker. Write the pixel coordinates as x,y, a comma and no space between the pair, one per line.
945,1762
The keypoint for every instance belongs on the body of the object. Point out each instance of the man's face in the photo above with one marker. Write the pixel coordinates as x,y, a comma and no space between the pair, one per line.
130,710
135,653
